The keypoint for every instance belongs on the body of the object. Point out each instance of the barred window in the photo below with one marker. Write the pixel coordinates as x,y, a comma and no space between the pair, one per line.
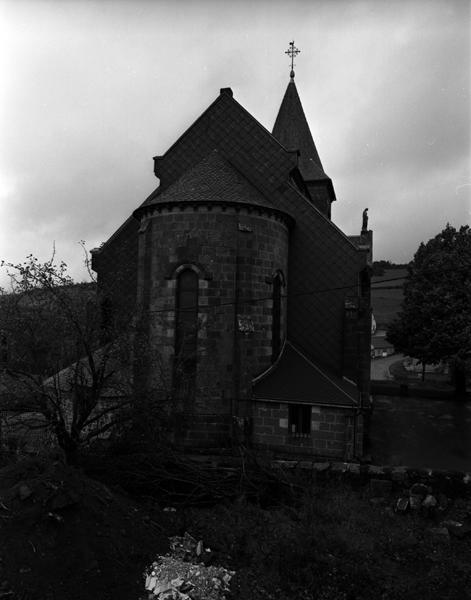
299,419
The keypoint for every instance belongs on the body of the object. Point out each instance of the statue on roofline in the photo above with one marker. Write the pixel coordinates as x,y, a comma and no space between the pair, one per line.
364,225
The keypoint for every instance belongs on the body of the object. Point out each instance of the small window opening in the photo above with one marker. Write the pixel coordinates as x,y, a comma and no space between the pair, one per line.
299,420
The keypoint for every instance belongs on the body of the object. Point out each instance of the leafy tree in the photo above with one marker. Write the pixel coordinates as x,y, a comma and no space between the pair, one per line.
435,321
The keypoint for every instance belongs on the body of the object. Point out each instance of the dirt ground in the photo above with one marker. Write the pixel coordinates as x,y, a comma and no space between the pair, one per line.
64,536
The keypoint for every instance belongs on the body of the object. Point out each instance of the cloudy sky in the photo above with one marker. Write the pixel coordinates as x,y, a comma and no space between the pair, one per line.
92,90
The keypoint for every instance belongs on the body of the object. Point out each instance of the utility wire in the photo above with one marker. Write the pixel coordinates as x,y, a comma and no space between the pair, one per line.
262,299
241,301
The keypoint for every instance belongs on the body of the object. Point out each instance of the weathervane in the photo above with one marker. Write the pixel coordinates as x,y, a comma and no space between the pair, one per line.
292,52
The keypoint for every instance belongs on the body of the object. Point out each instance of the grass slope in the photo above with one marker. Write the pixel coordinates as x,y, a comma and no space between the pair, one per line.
386,295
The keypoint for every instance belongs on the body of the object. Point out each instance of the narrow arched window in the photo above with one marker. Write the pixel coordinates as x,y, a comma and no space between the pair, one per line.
365,283
276,317
186,330
107,319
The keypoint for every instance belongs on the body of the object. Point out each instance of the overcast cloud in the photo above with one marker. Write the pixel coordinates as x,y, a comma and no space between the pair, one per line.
92,90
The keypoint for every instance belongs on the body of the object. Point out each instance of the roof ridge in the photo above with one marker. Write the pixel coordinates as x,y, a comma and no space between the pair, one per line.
249,180
223,95
272,367
190,126
114,235
329,221
213,158
319,370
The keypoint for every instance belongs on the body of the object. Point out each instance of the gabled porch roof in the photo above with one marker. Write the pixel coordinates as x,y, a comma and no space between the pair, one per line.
294,378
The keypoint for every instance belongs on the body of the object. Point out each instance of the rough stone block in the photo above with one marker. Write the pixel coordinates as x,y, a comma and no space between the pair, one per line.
321,467
305,464
419,489
375,470
399,474
354,468
339,467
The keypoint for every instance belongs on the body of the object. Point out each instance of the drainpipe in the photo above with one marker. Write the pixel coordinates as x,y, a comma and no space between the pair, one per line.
356,412
235,341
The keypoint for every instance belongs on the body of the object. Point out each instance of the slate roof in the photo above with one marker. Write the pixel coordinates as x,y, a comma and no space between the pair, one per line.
321,257
118,379
360,241
323,268
294,378
292,130
240,138
355,239
323,263
213,179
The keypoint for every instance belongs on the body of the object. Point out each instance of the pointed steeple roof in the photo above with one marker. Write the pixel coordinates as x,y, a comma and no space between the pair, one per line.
291,129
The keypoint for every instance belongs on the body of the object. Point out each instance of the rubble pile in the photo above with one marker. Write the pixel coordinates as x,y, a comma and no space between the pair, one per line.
423,500
184,574
420,497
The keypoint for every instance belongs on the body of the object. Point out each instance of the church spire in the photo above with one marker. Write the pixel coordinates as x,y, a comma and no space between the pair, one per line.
291,129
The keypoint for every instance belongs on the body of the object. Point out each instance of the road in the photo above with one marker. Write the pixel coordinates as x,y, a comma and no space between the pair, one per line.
380,366
421,433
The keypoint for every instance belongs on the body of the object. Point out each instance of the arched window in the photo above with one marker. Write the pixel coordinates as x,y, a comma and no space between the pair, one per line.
365,283
276,317
186,330
107,319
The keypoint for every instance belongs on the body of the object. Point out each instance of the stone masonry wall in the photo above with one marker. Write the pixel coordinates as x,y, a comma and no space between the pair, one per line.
115,265
331,431
229,247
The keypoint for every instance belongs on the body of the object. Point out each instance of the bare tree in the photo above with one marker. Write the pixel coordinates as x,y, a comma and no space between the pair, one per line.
75,377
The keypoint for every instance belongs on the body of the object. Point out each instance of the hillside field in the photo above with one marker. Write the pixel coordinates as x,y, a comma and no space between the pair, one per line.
387,295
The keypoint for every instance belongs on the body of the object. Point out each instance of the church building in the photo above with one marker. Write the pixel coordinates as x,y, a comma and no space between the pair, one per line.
253,304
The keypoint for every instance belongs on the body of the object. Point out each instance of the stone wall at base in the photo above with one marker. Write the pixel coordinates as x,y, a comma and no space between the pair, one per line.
205,431
334,431
453,483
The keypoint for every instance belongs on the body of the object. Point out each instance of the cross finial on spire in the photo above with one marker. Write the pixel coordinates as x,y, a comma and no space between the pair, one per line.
292,52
